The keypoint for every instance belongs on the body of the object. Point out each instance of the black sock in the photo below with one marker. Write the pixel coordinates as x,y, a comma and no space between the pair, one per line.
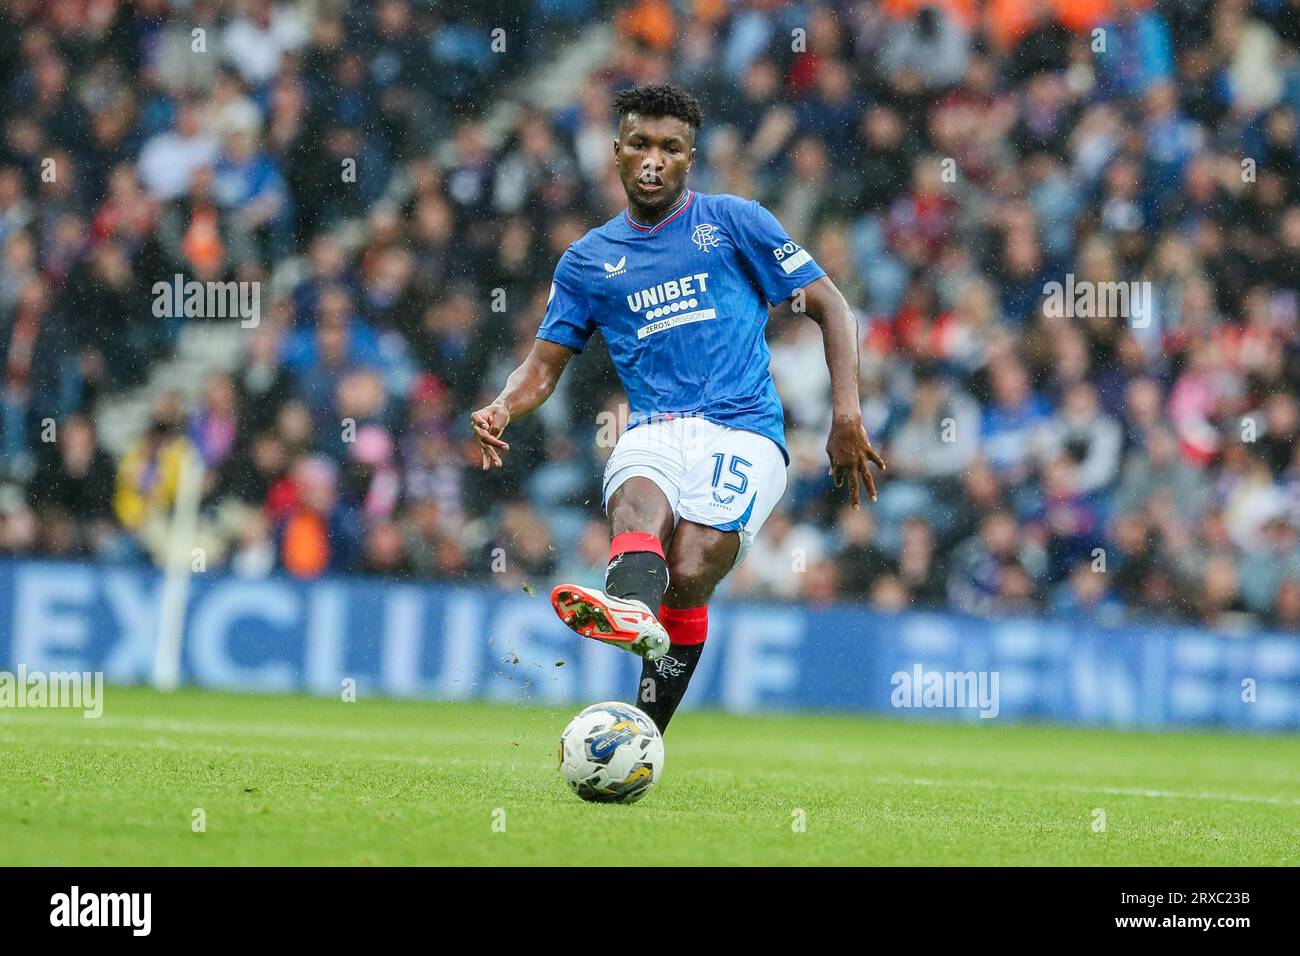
638,576
664,682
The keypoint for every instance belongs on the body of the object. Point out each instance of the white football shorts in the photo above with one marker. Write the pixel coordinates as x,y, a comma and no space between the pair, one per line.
713,475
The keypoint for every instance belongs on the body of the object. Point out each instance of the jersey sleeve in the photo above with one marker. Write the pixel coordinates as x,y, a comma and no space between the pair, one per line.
568,320
780,265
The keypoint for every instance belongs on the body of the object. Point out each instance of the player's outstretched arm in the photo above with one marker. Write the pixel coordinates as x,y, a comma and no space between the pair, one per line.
527,387
848,446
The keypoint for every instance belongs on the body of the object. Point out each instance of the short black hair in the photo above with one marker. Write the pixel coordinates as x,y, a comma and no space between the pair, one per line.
659,99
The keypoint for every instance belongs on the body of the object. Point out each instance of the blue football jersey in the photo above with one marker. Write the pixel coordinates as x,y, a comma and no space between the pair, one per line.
683,308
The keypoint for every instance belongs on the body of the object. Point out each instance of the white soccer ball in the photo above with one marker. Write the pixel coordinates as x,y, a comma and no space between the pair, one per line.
611,753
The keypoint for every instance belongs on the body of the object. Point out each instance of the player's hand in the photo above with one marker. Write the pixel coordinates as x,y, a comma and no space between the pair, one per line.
851,456
488,424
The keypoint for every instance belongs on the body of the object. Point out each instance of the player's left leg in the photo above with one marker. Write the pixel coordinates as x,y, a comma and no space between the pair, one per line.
698,559
734,478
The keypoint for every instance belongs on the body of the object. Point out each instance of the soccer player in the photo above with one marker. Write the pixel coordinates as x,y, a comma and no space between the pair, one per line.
679,285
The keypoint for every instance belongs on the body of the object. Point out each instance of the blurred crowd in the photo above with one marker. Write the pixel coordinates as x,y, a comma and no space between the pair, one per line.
946,162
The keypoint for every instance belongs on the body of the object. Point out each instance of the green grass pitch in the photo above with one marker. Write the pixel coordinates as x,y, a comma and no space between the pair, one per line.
297,780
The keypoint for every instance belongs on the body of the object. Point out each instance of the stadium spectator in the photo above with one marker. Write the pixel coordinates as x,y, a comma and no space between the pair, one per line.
168,160
860,561
73,485
148,480
1085,597
922,570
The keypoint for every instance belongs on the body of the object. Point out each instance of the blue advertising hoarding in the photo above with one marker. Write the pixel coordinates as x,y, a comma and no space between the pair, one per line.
458,643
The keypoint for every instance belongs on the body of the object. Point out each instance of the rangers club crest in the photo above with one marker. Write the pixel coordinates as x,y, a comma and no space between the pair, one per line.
705,236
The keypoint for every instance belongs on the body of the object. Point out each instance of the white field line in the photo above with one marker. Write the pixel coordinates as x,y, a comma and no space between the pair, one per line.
237,749
1111,791
430,734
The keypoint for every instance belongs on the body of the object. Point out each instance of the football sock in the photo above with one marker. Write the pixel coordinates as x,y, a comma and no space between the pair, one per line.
637,570
664,682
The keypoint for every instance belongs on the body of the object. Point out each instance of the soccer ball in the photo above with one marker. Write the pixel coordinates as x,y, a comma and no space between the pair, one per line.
611,753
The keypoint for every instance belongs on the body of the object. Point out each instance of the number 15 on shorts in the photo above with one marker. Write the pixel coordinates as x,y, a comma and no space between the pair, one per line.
736,470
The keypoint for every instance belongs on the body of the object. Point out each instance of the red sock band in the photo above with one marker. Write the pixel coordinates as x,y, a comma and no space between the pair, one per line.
685,626
635,541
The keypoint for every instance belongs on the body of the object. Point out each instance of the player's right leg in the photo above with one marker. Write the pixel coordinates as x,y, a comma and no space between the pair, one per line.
639,480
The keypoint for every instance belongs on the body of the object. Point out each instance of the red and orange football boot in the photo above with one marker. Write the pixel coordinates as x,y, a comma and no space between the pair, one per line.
603,617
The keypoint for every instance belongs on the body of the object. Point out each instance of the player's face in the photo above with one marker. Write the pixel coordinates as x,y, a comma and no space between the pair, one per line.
653,156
